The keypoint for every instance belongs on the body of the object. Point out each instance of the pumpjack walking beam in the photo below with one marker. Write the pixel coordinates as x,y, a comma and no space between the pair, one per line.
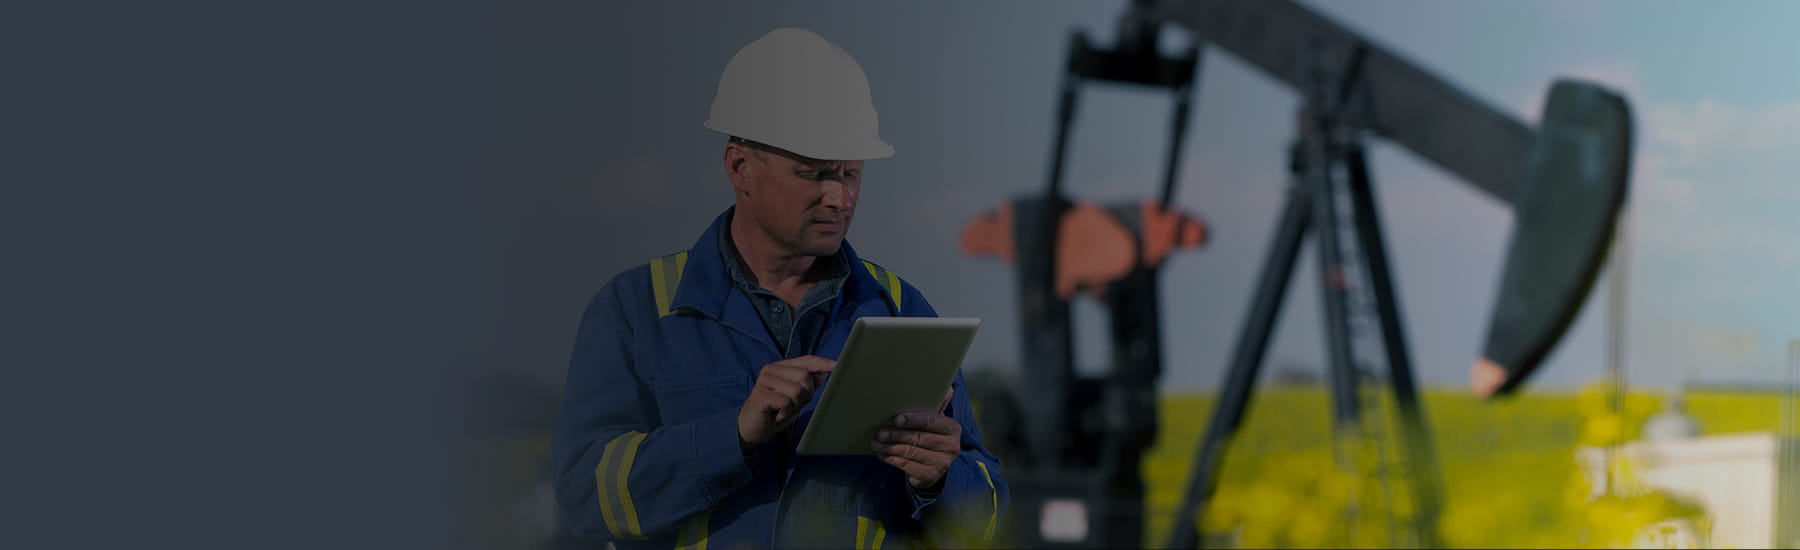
1406,105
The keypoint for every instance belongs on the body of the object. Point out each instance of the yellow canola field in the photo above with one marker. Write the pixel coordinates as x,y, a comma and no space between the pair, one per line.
1510,475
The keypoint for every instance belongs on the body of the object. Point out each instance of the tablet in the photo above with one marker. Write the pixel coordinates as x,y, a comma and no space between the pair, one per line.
889,365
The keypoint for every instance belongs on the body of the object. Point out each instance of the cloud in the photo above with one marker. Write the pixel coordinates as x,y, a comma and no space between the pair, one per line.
1709,171
1712,127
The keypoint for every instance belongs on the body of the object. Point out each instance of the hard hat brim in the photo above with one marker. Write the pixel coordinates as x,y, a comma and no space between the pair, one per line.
870,148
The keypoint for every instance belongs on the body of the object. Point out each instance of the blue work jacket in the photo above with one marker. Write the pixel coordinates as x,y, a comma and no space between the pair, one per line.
646,450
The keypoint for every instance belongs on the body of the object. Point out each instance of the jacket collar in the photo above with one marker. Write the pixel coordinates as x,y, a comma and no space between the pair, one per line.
706,286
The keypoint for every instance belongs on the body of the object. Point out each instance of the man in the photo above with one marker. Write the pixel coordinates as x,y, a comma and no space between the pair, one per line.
693,375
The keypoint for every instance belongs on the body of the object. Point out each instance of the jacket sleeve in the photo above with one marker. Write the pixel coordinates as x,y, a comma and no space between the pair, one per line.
968,509
620,474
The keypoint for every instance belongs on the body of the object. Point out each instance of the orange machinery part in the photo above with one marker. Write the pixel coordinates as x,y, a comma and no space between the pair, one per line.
1093,247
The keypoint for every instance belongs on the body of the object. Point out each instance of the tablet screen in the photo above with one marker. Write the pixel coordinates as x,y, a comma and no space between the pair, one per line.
889,365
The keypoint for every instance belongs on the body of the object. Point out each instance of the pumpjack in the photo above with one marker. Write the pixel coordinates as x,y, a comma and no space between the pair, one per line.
1073,444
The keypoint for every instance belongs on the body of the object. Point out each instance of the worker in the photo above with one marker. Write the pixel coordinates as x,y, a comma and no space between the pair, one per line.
692,375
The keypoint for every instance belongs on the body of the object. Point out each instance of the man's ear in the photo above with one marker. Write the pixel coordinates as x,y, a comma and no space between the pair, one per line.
738,164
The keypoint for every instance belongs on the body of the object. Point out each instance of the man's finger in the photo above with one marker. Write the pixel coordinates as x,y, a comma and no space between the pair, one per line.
912,453
927,440
782,409
791,373
787,397
783,387
811,363
945,406
915,470
899,450
769,404
934,423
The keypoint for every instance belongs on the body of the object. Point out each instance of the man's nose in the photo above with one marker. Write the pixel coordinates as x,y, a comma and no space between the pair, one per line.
838,194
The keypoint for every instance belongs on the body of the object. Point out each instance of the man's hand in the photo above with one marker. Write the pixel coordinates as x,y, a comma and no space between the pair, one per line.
922,444
782,388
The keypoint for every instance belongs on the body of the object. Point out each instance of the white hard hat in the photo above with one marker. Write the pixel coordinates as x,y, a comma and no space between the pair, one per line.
793,90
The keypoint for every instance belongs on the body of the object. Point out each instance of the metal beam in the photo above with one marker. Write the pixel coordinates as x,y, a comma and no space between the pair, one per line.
1407,105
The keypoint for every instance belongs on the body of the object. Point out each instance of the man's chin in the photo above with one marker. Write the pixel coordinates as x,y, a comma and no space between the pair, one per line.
825,247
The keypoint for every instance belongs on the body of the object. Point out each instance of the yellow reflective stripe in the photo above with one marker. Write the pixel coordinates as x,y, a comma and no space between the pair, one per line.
604,494
874,271
693,536
660,288
995,493
866,538
615,497
631,516
894,289
885,277
862,530
665,279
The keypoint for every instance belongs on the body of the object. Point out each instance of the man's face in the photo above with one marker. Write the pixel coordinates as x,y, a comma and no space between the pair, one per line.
803,205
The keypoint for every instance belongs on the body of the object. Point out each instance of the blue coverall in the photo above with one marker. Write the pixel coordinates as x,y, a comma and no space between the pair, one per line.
646,450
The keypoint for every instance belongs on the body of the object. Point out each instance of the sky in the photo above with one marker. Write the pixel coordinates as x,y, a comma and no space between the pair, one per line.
966,96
